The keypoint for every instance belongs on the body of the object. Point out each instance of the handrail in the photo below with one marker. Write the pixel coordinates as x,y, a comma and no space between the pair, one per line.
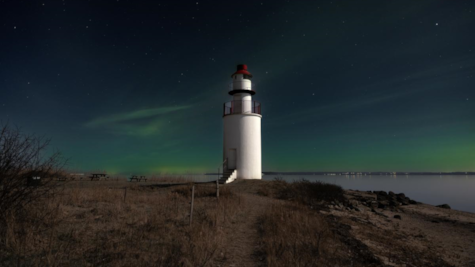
222,166
224,162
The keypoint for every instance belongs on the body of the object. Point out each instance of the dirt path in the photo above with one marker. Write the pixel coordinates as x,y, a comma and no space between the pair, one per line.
243,240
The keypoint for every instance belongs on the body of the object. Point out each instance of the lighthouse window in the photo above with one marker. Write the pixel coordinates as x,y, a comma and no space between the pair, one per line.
247,76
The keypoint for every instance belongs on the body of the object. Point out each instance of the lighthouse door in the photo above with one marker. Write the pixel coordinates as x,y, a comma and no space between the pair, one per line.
232,159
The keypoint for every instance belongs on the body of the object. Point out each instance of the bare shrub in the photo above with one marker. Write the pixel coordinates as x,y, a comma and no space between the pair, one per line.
22,157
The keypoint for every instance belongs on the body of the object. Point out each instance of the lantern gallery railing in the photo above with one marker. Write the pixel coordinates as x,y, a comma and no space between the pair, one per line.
241,107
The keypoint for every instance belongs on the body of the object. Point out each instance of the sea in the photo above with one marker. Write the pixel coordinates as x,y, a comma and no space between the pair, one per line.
458,191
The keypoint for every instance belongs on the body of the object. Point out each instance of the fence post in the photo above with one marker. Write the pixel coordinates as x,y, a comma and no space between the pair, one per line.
192,199
125,193
217,186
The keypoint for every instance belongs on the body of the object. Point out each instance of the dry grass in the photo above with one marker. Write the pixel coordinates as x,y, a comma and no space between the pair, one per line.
295,236
204,191
295,233
116,223
264,191
168,179
88,226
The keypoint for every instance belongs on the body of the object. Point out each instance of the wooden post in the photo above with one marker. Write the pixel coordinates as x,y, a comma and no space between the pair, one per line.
125,193
217,186
192,199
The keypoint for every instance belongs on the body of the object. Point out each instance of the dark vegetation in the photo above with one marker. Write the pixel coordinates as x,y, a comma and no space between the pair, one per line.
26,175
309,193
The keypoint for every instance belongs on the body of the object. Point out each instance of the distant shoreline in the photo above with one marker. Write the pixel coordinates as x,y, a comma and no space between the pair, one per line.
362,173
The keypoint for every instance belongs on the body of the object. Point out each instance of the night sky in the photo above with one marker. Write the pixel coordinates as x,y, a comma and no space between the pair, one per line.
138,86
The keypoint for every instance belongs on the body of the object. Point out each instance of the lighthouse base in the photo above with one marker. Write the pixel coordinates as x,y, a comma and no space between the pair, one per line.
242,145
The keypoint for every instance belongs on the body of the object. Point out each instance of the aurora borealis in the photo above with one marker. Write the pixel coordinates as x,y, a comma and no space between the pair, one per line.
138,86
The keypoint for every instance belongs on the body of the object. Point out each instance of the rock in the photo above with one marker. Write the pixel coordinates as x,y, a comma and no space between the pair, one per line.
393,203
383,204
401,195
412,201
373,203
357,209
405,201
391,193
380,193
444,206
397,217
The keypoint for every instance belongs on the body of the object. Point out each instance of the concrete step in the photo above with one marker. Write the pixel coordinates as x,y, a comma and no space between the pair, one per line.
225,176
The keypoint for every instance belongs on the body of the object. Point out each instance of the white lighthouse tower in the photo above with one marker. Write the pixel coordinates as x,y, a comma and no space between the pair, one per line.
242,130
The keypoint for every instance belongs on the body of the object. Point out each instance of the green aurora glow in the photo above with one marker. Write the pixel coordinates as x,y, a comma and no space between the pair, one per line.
344,86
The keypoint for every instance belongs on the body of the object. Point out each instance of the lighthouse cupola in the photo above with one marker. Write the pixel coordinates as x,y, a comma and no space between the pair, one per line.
242,81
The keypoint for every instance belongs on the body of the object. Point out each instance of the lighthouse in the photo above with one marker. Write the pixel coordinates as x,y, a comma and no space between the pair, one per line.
242,130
